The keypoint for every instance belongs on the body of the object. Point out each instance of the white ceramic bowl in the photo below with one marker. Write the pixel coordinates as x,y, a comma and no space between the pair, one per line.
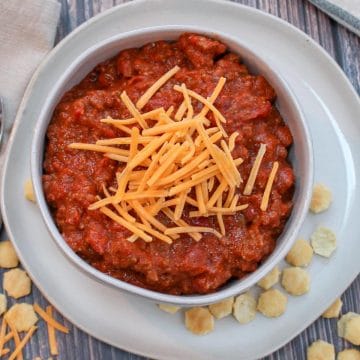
301,155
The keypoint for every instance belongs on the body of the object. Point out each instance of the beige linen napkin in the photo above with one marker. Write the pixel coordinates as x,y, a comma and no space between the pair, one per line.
27,33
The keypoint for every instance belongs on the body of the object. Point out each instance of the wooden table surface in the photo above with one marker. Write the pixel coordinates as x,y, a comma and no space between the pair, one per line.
344,47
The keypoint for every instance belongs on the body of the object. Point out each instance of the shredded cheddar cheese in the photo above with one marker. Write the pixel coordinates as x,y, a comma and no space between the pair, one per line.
269,184
49,319
213,96
206,102
190,229
177,160
220,218
99,148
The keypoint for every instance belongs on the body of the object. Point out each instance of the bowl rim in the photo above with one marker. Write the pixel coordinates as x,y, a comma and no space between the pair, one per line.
239,286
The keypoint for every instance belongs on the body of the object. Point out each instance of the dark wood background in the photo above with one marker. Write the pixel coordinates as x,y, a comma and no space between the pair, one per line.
344,47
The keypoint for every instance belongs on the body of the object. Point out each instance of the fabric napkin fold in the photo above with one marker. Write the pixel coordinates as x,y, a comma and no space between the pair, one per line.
27,33
346,12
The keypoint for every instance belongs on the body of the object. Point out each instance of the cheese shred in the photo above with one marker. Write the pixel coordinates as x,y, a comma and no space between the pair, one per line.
254,170
166,160
51,334
2,334
269,184
17,342
22,343
49,319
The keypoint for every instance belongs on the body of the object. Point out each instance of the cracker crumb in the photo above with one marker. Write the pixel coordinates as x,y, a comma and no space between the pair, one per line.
199,321
29,191
8,257
349,354
222,308
270,279
333,311
323,241
295,280
342,322
171,309
349,327
272,303
244,309
321,350
300,254
321,198
352,330
16,283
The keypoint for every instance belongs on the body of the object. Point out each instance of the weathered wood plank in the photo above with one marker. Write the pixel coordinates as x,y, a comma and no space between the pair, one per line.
349,55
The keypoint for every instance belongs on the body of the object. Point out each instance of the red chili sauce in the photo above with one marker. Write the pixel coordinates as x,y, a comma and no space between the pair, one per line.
73,178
